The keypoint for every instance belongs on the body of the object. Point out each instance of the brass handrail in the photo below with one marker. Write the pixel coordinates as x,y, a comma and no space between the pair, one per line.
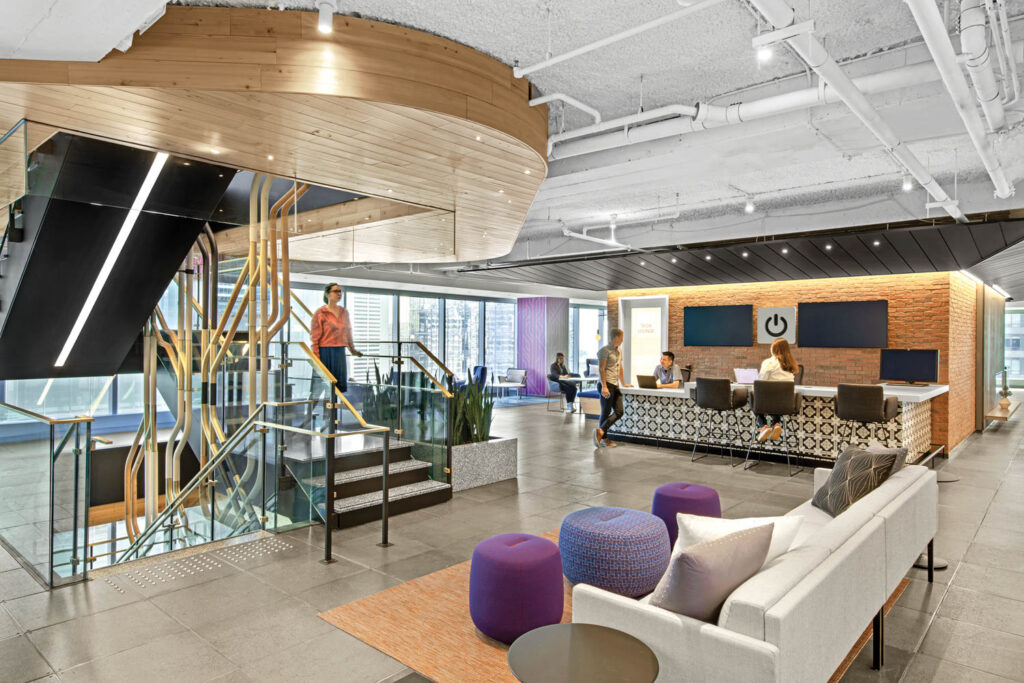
423,348
44,418
370,429
441,387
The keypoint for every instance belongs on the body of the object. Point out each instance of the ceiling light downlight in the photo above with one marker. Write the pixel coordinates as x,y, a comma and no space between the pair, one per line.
749,206
115,252
908,183
325,21
764,54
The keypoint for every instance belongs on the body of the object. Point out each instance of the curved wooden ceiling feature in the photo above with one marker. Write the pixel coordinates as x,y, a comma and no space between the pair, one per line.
373,108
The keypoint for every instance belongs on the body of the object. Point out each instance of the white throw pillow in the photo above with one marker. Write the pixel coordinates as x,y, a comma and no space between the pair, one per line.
694,529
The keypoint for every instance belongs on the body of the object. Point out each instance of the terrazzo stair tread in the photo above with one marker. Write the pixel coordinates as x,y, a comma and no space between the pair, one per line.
367,500
369,472
403,448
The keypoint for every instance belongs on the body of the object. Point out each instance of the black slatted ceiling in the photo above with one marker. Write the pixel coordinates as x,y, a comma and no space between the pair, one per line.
900,250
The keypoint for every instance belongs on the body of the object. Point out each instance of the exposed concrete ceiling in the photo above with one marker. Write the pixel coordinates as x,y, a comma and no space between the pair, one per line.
816,169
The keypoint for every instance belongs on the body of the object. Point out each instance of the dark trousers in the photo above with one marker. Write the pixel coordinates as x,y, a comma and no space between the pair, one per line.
333,358
567,388
763,420
612,403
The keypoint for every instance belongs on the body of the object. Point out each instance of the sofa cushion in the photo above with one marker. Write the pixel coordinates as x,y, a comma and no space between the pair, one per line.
694,529
828,532
700,577
856,474
744,610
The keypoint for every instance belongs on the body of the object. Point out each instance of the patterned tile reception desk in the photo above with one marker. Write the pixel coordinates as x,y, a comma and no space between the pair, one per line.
671,415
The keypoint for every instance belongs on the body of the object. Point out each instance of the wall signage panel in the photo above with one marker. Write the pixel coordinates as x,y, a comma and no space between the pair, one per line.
774,322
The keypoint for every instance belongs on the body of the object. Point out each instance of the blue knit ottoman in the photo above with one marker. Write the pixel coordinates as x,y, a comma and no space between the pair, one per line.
619,550
515,585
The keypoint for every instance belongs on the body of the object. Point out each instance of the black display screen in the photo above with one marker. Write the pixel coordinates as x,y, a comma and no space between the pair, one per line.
909,365
718,325
843,324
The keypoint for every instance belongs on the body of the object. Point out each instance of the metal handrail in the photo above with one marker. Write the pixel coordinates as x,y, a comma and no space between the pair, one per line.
428,352
444,390
44,418
371,429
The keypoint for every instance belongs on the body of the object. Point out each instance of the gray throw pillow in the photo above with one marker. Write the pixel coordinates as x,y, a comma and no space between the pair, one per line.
856,474
700,578
901,455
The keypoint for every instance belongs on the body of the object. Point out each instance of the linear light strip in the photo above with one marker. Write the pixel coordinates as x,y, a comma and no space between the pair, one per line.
115,251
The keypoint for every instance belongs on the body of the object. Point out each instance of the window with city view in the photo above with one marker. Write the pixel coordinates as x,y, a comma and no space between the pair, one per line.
1015,346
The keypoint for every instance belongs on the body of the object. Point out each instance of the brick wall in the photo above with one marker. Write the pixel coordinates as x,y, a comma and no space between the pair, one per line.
926,311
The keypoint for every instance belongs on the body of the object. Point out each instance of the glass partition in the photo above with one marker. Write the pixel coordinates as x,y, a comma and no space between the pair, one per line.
500,336
462,336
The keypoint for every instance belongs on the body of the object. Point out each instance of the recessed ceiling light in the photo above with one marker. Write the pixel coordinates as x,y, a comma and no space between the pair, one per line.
220,175
501,191
214,151
325,21
708,257
674,259
510,201
746,254
765,54
309,220
220,210
785,250
270,156
749,206
187,163
390,190
526,171
478,138
643,263
828,247
908,183
877,243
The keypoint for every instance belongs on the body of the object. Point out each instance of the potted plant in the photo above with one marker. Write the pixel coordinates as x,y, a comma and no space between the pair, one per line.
1005,392
478,458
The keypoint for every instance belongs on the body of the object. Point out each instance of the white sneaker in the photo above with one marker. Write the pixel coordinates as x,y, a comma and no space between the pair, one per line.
569,408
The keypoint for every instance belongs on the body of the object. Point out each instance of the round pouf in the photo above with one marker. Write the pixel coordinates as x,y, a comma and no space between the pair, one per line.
619,550
691,499
515,585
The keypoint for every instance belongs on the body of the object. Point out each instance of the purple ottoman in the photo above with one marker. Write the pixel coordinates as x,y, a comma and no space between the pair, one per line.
692,499
620,550
515,585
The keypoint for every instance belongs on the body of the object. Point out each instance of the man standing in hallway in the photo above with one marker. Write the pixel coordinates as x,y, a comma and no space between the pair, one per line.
611,379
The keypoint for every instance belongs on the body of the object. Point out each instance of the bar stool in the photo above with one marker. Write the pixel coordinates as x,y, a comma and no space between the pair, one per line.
798,378
864,404
718,395
776,398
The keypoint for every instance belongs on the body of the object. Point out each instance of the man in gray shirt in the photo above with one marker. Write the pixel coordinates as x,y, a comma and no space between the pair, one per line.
611,379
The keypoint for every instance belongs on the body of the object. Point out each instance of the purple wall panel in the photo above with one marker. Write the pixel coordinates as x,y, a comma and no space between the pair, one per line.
530,342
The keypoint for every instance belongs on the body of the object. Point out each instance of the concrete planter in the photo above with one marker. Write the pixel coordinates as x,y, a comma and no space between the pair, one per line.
484,462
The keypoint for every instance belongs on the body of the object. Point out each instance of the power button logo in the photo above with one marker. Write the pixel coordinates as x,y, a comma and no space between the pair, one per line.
774,322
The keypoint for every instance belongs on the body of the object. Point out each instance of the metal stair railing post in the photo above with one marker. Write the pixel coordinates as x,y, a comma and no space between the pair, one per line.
384,505
330,423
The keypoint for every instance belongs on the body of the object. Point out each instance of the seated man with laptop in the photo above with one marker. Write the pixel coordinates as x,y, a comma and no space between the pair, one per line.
666,374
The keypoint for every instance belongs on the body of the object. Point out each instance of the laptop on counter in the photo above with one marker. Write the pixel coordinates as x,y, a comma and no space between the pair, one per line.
745,375
646,382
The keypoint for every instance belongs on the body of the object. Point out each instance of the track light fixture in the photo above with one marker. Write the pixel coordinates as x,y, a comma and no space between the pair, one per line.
908,183
764,54
749,206
325,22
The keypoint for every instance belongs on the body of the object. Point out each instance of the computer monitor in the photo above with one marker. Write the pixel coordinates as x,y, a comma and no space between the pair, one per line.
909,365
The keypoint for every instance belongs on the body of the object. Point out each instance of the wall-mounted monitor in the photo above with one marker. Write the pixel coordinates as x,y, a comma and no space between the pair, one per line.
718,325
843,324
909,365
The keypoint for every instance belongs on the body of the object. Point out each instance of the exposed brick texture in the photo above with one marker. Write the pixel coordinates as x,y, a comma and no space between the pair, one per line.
926,311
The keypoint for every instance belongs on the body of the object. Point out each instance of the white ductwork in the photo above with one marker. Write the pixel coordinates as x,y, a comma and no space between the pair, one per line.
1005,47
780,15
978,60
571,101
675,112
933,29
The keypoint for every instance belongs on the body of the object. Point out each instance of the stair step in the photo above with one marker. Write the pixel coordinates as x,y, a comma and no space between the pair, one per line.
369,500
369,473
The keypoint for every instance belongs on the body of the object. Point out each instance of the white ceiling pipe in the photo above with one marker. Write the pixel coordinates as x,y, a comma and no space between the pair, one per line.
780,15
1007,45
710,115
933,29
622,35
566,232
571,101
623,122
974,45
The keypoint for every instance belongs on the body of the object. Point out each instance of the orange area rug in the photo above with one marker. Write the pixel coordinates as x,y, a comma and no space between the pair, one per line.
425,624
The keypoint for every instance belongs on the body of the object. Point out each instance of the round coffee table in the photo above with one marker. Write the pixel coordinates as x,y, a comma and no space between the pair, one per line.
578,653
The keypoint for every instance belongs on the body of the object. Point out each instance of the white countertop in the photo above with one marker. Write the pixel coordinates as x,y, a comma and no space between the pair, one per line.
903,392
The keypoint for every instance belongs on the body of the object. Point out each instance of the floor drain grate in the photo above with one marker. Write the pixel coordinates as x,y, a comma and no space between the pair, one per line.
171,571
254,549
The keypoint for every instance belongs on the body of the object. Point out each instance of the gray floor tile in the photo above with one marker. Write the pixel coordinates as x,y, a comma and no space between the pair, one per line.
210,601
52,607
20,662
81,640
1003,539
976,647
983,609
422,564
173,658
299,573
999,558
8,627
335,651
342,591
16,583
905,628
7,562
364,551
922,596
926,669
1002,582
895,662
247,634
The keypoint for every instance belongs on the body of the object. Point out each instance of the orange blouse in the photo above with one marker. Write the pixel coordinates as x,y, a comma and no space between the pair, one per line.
329,329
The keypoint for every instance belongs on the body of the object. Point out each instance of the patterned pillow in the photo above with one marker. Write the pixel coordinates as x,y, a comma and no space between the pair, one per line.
856,474
901,455
701,577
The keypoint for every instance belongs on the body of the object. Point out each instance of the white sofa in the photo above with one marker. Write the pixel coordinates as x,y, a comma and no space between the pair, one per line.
798,617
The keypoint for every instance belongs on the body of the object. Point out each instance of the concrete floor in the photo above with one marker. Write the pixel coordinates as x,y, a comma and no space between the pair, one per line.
248,612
